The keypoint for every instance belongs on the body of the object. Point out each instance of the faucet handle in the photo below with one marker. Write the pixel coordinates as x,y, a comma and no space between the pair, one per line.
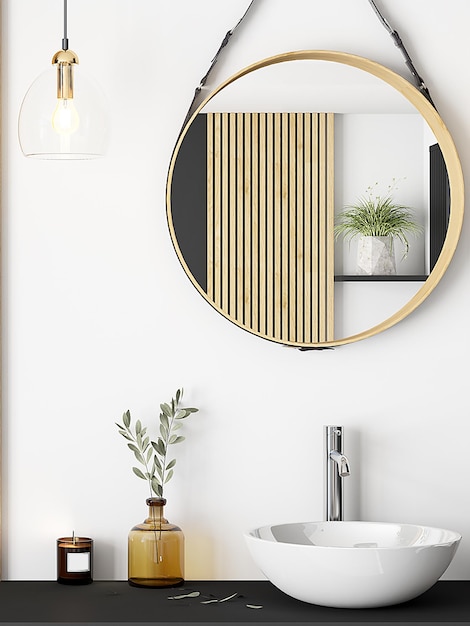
343,468
341,462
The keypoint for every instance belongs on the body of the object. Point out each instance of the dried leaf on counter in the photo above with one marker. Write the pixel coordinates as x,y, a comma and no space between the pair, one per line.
193,594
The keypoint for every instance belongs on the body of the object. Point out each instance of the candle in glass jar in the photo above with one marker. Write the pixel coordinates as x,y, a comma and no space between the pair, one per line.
75,560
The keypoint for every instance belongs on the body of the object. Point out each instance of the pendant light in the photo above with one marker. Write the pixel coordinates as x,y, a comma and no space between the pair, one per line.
63,114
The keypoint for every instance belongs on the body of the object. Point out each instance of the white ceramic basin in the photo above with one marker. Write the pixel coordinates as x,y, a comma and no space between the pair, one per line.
352,564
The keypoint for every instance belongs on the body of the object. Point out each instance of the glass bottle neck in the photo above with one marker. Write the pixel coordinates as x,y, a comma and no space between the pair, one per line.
156,512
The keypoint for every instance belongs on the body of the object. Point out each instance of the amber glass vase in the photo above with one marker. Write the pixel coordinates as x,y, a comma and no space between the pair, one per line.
156,550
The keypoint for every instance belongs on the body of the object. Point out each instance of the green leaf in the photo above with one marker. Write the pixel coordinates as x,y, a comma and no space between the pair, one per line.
160,447
164,420
126,418
138,472
149,455
125,435
171,464
133,447
178,396
156,460
156,486
165,409
178,439
145,444
139,457
138,426
184,412
163,431
169,475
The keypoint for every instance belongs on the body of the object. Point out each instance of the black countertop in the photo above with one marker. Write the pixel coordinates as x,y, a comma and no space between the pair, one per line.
115,602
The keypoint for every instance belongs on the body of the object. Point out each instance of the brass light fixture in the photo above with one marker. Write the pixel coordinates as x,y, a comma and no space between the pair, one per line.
65,118
63,115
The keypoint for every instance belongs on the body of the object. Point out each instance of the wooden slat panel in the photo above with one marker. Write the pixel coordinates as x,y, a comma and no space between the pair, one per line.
233,216
255,229
217,210
292,227
322,168
270,271
247,295
307,201
270,188
239,208
299,225
210,206
277,226
224,191
329,233
262,251
285,228
314,311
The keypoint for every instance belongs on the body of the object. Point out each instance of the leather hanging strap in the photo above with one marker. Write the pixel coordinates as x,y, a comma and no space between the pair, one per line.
198,90
419,82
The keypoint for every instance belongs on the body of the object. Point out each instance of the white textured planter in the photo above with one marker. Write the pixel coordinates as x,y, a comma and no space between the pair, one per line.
376,256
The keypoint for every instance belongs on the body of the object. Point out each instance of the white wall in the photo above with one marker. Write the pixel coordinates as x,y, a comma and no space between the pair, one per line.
99,316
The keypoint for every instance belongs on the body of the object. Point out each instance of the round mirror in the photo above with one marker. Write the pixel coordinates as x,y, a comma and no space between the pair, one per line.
268,168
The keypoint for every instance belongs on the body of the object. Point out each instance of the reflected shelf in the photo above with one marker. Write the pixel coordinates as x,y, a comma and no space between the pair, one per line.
381,278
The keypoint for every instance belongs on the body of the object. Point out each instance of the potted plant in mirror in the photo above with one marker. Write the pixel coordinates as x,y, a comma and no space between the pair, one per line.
156,547
377,220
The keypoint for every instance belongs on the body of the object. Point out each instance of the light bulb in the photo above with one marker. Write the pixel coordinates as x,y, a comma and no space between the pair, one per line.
65,119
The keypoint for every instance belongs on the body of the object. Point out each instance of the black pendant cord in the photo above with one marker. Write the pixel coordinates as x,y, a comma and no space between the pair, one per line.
419,82
65,41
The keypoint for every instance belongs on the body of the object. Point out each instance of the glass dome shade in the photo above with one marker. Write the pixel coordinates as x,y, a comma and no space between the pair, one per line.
54,128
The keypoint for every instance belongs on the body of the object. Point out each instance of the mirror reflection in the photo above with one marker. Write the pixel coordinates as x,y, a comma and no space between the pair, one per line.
261,173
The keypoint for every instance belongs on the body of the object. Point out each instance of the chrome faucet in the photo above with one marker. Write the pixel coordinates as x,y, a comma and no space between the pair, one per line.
336,468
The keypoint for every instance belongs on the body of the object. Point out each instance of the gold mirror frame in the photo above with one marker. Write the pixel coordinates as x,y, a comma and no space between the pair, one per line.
449,152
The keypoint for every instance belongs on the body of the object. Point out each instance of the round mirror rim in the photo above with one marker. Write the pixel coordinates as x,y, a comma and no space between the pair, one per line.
444,139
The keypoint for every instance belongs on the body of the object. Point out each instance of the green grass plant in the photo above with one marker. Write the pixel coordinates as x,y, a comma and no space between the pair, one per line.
377,216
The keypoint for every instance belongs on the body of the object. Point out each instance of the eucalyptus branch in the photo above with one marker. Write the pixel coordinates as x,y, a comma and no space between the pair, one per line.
160,472
140,446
